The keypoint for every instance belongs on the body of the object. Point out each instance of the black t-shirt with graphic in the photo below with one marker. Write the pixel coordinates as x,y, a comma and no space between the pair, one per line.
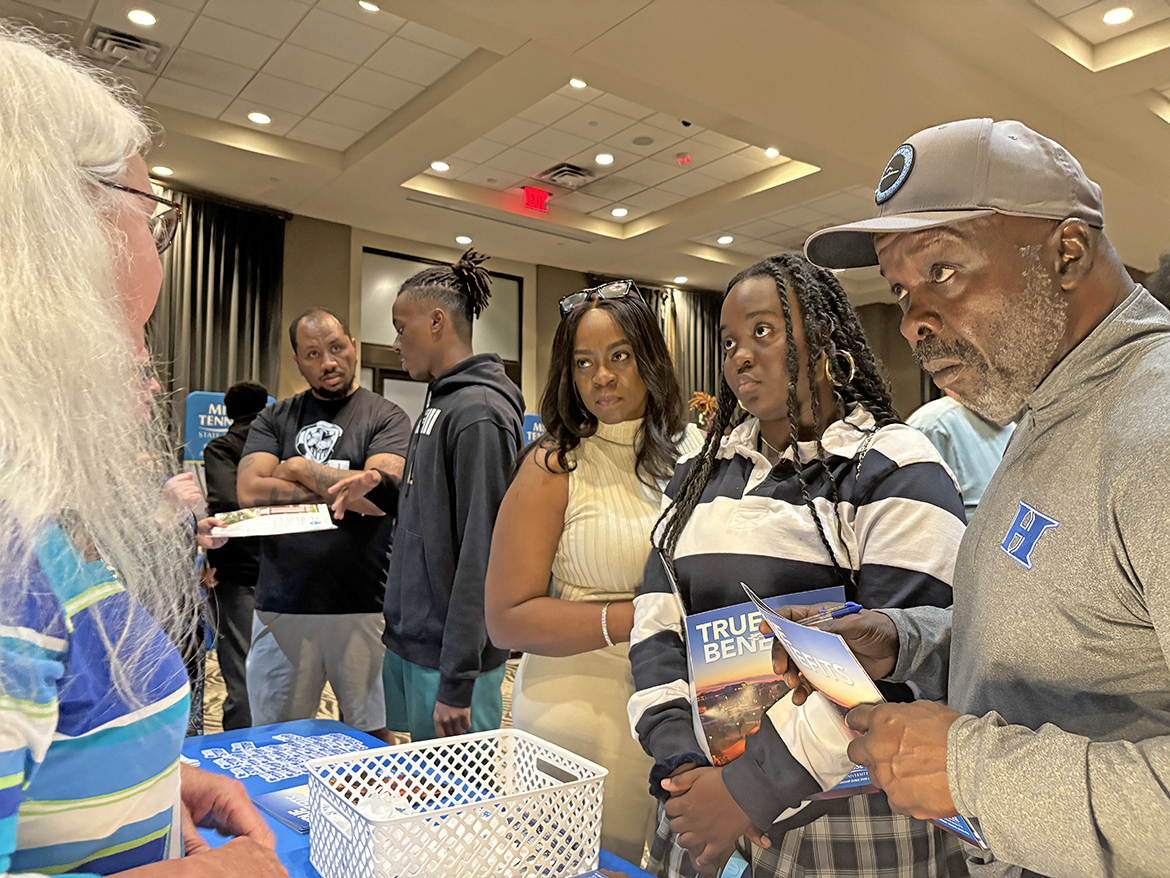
334,571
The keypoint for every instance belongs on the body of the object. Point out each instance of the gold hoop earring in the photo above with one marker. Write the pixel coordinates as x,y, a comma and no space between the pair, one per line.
829,368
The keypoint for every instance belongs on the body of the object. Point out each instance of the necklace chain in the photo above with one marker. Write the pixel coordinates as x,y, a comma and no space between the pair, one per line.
763,439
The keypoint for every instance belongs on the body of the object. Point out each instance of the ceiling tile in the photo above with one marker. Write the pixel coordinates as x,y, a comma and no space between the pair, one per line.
190,5
756,248
722,141
654,199
549,109
641,133
492,178
757,154
512,131
621,160
632,213
382,20
320,133
580,202
596,123
371,87
336,36
845,205
425,36
691,184
798,217
411,61
479,151
348,113
731,167
207,72
521,161
580,95
1062,7
700,153
140,82
861,191
229,43
622,107
613,188
550,141
456,167
308,67
266,91
172,22
759,229
237,113
75,8
793,239
673,125
651,173
1087,22
181,96
273,18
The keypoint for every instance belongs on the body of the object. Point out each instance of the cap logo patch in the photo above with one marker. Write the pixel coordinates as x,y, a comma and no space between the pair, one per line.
895,174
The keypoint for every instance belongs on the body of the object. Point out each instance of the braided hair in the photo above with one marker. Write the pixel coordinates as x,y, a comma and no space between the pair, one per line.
831,328
463,288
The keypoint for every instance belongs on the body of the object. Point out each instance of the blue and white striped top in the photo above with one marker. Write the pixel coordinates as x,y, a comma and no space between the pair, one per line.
89,784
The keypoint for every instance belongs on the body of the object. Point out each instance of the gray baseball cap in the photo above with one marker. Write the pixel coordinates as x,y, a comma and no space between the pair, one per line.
959,171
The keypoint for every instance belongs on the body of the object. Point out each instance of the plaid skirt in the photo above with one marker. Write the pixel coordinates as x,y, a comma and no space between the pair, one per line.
865,840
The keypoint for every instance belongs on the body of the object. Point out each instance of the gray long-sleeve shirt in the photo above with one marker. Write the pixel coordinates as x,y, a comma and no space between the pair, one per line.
1058,648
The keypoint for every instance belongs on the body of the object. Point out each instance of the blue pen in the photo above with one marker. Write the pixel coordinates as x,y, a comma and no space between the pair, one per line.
846,609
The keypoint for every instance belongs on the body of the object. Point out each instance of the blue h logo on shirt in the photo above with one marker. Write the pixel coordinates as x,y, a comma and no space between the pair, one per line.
1025,532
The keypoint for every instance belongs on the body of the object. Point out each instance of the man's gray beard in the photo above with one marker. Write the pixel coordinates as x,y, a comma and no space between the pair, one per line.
1022,344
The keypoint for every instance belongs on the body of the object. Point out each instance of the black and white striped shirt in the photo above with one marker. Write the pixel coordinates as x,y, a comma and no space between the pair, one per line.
901,521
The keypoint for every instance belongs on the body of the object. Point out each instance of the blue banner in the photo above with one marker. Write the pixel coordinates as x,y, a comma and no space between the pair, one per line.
206,419
533,428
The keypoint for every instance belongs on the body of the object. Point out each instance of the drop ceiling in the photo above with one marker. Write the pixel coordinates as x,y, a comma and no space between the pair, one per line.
361,103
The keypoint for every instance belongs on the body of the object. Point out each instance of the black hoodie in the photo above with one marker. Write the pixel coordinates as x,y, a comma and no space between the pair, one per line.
457,470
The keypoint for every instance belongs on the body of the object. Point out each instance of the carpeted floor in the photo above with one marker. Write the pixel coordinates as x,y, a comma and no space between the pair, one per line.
214,693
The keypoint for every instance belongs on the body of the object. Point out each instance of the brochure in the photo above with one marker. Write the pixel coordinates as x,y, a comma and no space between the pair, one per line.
290,807
731,670
266,521
829,665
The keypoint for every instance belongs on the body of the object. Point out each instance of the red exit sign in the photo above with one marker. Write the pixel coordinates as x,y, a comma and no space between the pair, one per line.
536,199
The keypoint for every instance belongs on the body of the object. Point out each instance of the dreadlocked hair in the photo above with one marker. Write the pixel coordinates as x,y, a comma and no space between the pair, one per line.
464,288
831,328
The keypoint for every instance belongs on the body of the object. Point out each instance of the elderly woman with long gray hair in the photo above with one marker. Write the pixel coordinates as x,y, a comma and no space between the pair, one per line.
94,588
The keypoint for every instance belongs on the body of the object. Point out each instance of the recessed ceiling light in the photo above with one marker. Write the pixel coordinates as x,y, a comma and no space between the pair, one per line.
161,171
619,211
366,5
1118,15
772,153
726,239
462,239
577,83
604,158
440,166
259,118
141,17
681,279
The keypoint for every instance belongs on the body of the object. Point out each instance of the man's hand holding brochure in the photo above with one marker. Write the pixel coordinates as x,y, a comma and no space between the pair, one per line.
903,746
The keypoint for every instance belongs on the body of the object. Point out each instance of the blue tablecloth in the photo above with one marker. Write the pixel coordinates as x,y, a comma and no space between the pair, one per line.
291,846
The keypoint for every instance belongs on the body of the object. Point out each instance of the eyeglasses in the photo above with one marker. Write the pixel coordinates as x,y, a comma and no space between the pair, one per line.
615,289
164,223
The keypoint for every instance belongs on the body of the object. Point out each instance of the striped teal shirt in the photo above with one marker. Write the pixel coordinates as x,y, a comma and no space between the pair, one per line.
89,784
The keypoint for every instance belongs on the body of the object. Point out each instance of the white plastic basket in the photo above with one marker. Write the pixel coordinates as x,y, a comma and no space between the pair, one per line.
501,803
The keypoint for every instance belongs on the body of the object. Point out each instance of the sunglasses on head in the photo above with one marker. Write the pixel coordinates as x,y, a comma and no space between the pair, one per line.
615,289
164,223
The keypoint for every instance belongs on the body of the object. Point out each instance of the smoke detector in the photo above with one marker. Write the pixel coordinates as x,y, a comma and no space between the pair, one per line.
114,48
566,176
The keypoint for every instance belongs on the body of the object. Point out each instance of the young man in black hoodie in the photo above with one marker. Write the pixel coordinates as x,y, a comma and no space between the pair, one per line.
442,674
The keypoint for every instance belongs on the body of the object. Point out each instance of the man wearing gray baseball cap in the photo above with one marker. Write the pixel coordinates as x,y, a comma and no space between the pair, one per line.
1053,659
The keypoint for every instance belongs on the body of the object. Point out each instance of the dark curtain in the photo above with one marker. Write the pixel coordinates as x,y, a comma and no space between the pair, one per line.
218,315
690,322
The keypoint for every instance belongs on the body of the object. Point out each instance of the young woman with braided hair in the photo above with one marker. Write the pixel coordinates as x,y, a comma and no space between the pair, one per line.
442,675
817,484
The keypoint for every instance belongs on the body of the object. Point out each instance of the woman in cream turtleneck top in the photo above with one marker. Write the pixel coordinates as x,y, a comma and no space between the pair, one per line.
571,542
